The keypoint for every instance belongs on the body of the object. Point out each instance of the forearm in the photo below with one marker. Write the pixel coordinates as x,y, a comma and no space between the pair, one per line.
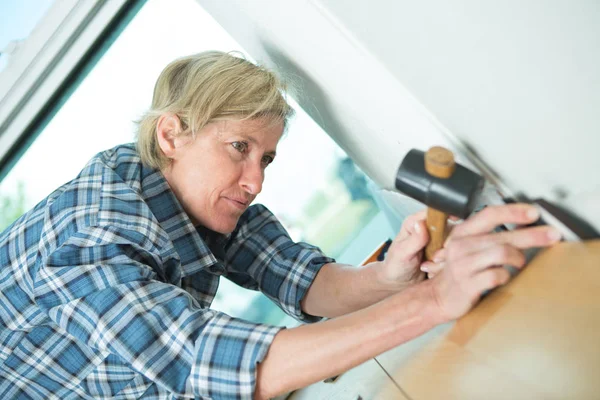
309,353
340,289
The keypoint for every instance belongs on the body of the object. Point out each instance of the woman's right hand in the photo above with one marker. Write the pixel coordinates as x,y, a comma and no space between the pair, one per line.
473,257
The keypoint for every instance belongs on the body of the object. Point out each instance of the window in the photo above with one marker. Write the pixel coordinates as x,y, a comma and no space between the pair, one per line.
19,18
313,187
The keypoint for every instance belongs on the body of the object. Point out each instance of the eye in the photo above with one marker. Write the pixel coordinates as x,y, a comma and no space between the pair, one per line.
266,160
240,146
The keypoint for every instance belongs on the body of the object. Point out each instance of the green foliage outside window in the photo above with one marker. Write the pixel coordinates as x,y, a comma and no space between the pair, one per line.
12,206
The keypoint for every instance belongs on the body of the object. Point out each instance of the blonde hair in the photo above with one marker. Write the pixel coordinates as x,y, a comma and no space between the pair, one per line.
207,87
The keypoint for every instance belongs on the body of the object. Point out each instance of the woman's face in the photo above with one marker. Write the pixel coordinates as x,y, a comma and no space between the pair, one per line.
219,173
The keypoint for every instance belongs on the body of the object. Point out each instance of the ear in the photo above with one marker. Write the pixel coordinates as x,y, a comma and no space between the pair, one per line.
168,128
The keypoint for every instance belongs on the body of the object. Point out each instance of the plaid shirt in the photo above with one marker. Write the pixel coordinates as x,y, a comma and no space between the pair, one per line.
105,289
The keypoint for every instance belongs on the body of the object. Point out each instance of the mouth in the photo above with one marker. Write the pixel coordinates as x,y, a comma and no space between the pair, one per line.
241,204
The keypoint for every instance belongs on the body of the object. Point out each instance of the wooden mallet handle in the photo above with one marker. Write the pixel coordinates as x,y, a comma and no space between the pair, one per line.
439,162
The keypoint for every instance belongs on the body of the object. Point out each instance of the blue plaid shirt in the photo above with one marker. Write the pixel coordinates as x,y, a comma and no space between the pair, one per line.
105,289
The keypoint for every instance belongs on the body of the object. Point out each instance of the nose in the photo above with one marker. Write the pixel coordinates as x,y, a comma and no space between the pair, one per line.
252,178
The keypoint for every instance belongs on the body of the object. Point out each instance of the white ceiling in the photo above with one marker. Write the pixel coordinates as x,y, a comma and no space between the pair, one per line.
517,82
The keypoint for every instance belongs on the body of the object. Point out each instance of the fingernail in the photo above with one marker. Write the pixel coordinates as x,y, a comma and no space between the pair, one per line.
554,235
417,227
424,268
533,214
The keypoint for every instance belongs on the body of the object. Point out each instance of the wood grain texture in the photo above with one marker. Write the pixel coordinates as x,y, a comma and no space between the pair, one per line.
536,338
439,162
436,226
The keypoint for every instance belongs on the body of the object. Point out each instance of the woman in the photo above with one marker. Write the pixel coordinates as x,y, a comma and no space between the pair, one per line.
107,283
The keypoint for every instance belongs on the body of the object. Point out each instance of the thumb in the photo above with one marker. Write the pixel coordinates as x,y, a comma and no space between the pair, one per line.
415,242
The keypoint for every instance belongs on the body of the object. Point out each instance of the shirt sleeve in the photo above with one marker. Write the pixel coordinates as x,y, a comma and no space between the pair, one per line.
98,287
261,255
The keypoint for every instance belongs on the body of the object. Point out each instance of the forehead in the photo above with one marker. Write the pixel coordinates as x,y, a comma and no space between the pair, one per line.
257,129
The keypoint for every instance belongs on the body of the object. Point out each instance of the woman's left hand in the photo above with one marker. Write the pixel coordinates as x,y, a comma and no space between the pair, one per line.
403,259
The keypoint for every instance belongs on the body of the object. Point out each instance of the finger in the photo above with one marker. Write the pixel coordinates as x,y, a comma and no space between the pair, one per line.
439,255
413,243
495,255
409,222
539,236
407,227
493,216
431,267
490,279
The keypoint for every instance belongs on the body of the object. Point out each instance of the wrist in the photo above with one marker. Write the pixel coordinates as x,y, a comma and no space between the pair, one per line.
383,281
388,279
422,301
408,314
432,305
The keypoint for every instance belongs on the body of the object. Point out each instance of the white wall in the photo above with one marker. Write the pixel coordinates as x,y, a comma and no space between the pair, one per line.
518,82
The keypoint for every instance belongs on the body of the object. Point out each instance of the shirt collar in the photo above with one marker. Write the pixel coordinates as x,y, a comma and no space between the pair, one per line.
194,254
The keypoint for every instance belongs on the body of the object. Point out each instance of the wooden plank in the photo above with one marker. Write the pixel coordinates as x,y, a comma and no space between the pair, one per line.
537,337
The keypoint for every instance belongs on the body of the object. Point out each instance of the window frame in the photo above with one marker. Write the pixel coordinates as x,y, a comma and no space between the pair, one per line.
50,64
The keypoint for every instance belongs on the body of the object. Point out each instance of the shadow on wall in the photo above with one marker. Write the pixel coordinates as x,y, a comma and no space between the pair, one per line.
308,94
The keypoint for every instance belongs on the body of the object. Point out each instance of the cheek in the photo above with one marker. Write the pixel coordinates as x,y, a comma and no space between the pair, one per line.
191,184
206,183
206,177
224,173
200,188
